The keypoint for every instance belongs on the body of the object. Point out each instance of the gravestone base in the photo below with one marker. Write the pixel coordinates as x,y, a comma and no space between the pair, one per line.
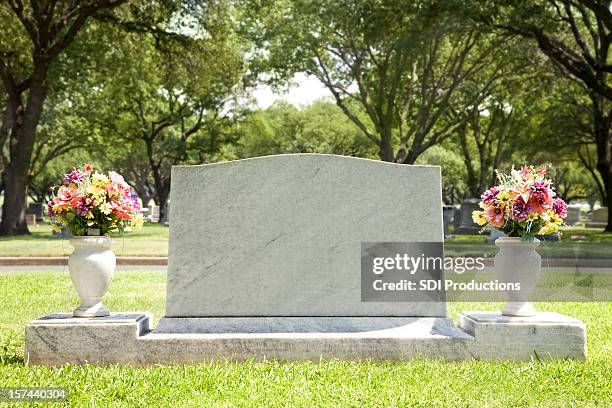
543,336
594,224
127,338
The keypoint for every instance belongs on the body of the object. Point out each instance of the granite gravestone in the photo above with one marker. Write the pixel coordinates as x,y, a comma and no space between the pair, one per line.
448,213
573,216
598,218
467,225
282,235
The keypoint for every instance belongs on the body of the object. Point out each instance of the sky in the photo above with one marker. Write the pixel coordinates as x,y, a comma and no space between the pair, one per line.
305,91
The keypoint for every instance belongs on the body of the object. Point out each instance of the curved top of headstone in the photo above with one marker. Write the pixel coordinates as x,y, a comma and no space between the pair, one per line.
281,235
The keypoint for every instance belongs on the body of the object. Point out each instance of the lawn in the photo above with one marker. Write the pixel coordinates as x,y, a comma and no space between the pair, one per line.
593,243
26,296
151,240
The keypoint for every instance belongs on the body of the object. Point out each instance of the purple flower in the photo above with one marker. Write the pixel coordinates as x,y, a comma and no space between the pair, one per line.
560,207
489,195
520,209
83,208
50,205
135,203
74,177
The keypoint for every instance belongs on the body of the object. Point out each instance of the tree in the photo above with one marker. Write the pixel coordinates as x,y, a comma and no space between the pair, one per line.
453,171
401,62
576,36
167,102
496,125
318,128
36,34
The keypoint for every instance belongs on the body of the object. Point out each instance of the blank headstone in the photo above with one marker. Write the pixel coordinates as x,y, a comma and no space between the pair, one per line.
282,235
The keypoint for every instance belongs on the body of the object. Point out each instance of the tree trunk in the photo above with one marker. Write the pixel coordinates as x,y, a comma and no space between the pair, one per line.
386,146
605,169
21,144
163,207
602,121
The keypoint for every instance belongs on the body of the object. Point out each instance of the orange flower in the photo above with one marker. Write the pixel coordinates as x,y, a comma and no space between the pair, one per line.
495,216
122,209
67,196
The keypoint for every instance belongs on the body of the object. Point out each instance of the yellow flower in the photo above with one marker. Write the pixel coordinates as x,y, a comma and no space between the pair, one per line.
137,221
105,208
99,181
95,191
548,228
479,217
504,197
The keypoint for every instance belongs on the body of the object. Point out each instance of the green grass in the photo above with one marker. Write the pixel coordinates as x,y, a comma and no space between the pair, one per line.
151,240
593,244
426,383
588,235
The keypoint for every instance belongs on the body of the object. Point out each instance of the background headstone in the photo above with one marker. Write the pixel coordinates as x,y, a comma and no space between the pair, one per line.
30,219
37,210
448,214
166,216
153,213
466,223
598,218
573,216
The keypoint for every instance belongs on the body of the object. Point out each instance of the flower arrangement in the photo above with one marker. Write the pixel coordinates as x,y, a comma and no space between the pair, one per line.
522,205
91,200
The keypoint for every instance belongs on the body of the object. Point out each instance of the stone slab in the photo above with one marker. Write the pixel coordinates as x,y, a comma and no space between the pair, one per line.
60,339
384,326
544,336
126,338
281,235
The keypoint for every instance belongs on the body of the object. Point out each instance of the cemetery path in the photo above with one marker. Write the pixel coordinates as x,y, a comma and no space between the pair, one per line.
64,268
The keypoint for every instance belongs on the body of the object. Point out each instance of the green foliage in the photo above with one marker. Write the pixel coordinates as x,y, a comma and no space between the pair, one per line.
402,63
453,171
318,128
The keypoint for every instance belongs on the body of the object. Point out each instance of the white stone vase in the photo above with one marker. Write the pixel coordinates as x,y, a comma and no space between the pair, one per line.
518,262
92,266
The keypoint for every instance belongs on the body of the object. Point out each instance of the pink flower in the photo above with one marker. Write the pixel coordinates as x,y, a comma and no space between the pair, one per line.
87,168
489,195
118,187
540,197
542,170
560,207
495,216
74,177
525,172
